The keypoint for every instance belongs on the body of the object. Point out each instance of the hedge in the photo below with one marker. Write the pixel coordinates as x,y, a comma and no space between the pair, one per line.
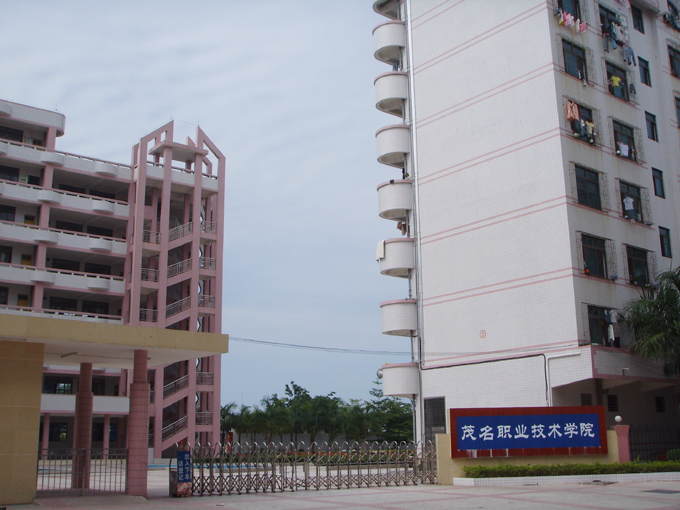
505,470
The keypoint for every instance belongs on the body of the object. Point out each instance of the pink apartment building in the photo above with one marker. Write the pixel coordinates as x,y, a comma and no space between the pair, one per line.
89,240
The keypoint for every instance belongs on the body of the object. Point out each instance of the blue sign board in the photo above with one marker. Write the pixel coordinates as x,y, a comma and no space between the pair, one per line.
184,467
528,431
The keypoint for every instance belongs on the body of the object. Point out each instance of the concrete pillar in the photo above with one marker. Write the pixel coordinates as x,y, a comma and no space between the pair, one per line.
82,439
622,436
45,443
138,428
105,441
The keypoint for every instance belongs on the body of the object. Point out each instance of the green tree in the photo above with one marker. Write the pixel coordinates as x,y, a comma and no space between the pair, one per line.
298,403
357,420
654,318
391,417
228,419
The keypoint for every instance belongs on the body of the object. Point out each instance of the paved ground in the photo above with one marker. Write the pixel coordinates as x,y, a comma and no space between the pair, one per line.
620,496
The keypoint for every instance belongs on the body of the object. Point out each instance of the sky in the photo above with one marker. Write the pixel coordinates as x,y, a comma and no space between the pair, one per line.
285,90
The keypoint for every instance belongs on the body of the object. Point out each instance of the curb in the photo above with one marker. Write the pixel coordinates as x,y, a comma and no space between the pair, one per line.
558,480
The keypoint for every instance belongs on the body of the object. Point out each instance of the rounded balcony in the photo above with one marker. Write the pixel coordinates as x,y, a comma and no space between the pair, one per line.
5,109
395,199
48,196
388,8
400,380
391,91
105,169
96,283
399,317
388,40
398,257
53,158
394,144
46,236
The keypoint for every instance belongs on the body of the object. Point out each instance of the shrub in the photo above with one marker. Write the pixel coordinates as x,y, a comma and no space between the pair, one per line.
673,455
505,470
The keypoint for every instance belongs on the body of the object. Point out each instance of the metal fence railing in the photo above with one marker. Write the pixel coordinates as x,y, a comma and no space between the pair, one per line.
243,468
651,442
81,470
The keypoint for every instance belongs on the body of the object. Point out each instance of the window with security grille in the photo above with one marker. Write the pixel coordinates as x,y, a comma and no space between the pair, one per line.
588,187
624,140
617,81
631,202
574,60
435,417
594,256
638,269
597,324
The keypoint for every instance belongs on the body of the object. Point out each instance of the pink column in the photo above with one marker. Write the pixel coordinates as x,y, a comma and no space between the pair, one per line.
138,428
45,443
82,440
622,438
105,442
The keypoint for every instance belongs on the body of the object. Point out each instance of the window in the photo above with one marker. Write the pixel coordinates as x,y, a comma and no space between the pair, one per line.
7,213
4,295
72,189
594,256
652,131
607,17
645,75
588,187
638,19
58,431
624,138
66,264
100,231
61,303
657,176
631,201
660,404
618,84
582,125
56,385
15,135
97,268
9,173
613,403
586,399
575,60
103,194
97,432
665,240
597,325
96,307
33,180
67,225
570,6
674,56
435,417
637,266
6,254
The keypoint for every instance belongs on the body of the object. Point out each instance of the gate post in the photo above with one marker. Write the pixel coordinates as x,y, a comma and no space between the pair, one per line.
623,440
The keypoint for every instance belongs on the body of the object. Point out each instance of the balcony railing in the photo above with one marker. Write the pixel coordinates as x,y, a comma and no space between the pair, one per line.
204,418
173,387
173,428
204,378
148,315
207,263
180,231
177,306
206,301
149,275
209,227
179,268
151,237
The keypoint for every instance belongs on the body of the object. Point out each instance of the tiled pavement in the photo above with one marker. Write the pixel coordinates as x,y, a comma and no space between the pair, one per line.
649,495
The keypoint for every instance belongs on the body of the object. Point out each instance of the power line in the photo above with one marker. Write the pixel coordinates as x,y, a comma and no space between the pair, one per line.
316,348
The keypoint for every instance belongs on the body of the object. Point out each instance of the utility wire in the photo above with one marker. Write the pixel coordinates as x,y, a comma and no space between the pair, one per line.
315,347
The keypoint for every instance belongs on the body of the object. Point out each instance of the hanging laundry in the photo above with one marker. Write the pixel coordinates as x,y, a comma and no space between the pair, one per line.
568,20
622,20
590,129
616,81
629,55
629,208
402,227
572,111
582,28
632,89
623,149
